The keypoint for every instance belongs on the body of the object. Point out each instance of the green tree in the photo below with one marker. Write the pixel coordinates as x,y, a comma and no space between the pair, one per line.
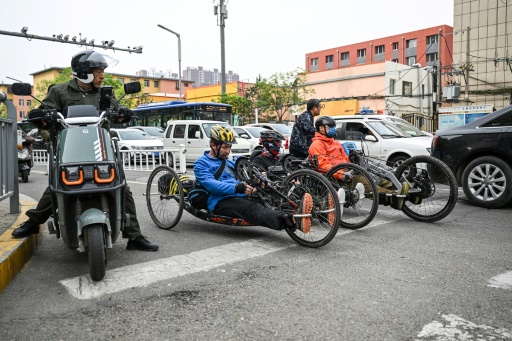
239,105
3,110
275,97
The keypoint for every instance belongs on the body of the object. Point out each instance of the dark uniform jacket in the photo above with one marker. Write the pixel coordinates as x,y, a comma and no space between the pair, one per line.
68,94
302,132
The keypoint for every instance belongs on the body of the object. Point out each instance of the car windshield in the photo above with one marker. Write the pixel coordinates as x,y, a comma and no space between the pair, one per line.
387,130
283,129
254,131
133,135
407,127
155,131
208,126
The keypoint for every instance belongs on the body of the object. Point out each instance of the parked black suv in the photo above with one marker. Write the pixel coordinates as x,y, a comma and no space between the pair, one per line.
480,155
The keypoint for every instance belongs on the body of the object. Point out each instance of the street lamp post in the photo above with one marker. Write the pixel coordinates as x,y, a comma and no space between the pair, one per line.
179,54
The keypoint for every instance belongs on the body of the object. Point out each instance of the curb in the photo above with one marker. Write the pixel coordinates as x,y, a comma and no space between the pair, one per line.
14,253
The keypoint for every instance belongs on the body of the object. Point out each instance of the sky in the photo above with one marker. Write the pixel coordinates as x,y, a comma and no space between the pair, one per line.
261,37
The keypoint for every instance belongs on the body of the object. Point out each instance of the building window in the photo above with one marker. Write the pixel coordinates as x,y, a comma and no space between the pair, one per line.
394,60
361,53
410,43
21,102
344,56
146,82
379,49
29,102
406,88
392,86
186,85
423,91
314,64
395,46
21,114
121,80
411,60
329,59
133,80
431,57
9,90
155,84
432,40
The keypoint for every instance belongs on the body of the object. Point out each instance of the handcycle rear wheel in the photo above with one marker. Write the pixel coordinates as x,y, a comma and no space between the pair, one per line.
164,197
433,188
325,213
359,208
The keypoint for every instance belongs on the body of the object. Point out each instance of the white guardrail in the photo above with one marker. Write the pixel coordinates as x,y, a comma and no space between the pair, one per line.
138,160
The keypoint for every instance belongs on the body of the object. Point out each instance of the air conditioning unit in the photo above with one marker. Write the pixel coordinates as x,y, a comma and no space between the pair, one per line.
451,93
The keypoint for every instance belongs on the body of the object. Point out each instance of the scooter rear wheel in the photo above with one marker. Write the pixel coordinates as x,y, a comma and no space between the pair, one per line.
96,251
164,197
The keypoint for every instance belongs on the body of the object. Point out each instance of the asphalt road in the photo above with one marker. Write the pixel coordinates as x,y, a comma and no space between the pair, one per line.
397,279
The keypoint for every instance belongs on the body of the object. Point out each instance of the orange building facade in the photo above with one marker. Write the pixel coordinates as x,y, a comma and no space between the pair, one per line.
410,48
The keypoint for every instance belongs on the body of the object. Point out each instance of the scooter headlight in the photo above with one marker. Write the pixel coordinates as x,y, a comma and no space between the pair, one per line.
72,176
104,174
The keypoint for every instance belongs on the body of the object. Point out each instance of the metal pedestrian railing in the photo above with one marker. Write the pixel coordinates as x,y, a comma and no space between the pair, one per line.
146,160
8,156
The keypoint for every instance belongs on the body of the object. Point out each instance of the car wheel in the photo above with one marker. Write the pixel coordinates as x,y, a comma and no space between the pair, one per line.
487,182
396,161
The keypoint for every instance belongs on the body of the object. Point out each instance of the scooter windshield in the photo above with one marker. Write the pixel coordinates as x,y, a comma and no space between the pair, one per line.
84,144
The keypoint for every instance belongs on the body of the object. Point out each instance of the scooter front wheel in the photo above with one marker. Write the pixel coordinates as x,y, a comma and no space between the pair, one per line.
24,175
96,251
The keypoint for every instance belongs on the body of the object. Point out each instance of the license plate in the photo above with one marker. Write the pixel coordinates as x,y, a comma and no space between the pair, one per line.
157,153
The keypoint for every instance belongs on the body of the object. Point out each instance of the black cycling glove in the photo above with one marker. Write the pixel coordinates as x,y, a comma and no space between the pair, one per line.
240,188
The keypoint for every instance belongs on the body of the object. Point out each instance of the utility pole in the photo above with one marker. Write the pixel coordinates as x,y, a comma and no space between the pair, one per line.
222,14
466,88
439,65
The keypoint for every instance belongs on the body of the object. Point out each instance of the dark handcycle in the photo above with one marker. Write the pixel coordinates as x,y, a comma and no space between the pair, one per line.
166,203
432,195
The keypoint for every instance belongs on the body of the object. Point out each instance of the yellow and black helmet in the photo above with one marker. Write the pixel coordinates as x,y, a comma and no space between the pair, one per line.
173,186
222,134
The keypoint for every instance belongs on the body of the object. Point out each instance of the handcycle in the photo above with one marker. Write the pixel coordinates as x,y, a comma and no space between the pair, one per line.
433,188
166,203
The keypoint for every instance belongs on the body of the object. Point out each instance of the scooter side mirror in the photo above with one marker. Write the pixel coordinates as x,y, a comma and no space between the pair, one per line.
106,95
132,88
22,89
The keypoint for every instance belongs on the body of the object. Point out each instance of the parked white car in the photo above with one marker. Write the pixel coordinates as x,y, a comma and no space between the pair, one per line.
154,132
380,139
251,134
137,141
283,129
195,136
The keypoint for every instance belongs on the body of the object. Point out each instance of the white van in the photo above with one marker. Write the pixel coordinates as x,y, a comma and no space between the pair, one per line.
195,135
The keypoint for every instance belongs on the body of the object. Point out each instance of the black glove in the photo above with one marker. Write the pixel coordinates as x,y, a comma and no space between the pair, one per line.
124,115
240,188
347,176
35,114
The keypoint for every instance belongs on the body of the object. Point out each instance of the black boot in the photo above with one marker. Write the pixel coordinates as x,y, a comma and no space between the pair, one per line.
141,243
384,199
26,229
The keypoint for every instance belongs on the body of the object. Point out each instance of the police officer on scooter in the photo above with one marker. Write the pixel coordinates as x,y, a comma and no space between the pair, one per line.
88,74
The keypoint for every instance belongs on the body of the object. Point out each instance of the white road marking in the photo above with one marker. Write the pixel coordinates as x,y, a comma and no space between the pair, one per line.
503,281
143,274
456,328
138,275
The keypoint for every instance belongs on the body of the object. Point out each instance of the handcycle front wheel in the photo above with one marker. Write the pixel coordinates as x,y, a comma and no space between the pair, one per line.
164,197
433,188
325,211
361,200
